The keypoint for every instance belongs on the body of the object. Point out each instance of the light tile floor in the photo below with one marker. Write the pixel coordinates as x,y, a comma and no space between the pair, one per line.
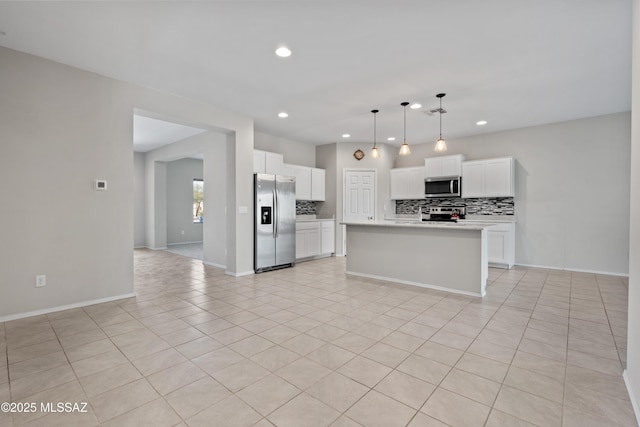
191,250
310,346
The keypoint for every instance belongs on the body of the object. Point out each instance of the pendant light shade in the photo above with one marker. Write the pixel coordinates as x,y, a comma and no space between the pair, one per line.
441,146
404,149
374,151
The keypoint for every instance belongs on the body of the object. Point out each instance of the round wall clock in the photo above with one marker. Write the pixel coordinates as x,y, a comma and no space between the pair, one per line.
358,154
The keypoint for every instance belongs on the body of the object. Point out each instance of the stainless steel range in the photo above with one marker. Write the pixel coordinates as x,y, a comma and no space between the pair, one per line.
445,213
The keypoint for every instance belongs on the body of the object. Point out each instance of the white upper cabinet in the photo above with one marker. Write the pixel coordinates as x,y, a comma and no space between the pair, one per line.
473,179
258,161
303,181
443,166
406,183
273,163
266,162
488,178
318,184
310,182
498,177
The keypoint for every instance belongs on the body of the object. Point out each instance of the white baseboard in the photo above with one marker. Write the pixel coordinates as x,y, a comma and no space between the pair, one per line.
634,401
64,307
577,270
184,243
239,274
213,264
155,249
422,285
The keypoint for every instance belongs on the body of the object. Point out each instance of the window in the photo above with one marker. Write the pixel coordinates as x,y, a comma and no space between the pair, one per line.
198,200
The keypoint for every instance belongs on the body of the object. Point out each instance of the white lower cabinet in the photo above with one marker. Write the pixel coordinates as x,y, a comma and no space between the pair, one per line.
307,239
501,245
314,238
328,237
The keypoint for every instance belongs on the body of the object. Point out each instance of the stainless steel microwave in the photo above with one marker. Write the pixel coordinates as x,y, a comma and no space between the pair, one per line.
442,186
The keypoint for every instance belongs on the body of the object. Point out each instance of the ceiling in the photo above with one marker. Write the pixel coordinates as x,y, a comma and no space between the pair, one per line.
514,63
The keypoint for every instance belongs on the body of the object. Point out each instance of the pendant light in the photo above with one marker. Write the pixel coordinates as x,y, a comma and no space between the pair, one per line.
441,146
404,149
374,151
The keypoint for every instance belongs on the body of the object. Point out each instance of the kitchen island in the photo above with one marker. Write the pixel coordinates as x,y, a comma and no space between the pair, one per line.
439,255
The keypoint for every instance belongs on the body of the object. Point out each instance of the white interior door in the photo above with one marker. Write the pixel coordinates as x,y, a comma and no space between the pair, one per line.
360,195
359,198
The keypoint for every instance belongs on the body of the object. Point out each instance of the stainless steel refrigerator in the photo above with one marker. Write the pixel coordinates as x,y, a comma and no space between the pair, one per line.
275,222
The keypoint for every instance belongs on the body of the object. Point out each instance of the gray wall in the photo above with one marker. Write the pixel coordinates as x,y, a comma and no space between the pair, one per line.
572,189
180,176
62,128
337,157
632,374
138,200
295,153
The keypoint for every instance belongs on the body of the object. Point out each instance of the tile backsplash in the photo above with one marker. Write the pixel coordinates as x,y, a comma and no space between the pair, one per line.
485,206
305,207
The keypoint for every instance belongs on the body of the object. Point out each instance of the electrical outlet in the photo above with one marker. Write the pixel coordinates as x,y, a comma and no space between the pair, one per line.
41,280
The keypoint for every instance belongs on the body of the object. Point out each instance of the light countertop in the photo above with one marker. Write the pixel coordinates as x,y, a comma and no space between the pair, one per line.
312,218
468,219
413,223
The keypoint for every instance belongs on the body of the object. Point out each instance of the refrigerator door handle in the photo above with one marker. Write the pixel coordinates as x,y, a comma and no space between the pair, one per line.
275,213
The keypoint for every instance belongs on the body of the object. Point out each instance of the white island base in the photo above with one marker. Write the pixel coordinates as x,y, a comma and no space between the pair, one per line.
449,257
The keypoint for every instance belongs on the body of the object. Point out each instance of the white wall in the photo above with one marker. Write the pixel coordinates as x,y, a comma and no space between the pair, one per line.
61,128
212,146
295,153
138,200
180,225
572,189
632,373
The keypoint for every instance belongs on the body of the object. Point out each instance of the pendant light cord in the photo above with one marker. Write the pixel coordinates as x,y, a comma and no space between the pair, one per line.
440,118
375,113
404,134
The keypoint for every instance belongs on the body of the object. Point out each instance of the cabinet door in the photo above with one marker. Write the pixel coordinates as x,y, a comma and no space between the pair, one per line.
473,179
328,237
498,242
258,161
273,163
498,178
415,183
303,182
318,184
451,165
398,184
433,167
300,243
287,170
312,242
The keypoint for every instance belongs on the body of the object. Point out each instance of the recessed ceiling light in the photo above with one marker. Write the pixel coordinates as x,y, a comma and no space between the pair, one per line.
283,52
481,122
346,135
283,115
391,138
415,106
